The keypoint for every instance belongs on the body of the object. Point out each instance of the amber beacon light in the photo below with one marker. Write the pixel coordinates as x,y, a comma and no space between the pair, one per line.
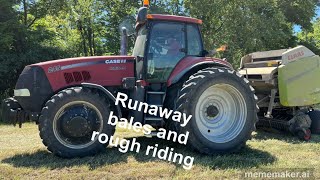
146,3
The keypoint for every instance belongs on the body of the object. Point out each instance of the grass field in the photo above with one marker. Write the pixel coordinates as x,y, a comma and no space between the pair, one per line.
23,156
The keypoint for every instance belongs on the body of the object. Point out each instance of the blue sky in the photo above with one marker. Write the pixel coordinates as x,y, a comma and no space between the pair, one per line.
298,29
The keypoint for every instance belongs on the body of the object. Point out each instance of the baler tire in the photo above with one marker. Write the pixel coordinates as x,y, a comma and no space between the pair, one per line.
202,83
315,118
50,131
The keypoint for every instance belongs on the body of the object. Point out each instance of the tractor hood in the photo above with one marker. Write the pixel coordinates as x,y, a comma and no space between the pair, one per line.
45,78
102,70
62,64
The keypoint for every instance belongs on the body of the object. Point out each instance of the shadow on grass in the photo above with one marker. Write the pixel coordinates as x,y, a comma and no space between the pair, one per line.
266,134
246,158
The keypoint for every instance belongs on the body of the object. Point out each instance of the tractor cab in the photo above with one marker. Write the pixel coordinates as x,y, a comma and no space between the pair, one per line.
162,42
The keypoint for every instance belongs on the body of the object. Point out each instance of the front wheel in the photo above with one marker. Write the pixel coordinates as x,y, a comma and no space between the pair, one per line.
68,120
223,108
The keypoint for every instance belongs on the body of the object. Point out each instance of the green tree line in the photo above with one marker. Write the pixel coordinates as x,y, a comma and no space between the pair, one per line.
39,30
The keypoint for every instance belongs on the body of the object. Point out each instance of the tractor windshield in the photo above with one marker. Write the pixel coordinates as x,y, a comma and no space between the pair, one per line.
140,42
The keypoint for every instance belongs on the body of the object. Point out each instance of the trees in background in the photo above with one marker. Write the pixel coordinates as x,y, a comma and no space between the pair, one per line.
39,30
311,38
23,39
248,26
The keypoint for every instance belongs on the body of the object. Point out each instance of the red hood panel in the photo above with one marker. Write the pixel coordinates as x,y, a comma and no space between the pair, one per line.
102,70
83,59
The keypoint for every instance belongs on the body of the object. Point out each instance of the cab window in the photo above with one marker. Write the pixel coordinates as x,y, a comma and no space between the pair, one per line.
166,49
194,40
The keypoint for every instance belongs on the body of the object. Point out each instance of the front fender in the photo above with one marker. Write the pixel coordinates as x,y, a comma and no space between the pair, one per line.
105,91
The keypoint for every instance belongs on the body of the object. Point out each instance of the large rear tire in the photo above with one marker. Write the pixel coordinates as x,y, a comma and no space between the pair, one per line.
68,120
224,110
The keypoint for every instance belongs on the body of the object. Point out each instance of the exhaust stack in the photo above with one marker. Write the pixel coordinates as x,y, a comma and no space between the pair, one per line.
124,42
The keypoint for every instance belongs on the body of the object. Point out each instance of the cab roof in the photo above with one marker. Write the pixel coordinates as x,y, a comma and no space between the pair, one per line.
173,18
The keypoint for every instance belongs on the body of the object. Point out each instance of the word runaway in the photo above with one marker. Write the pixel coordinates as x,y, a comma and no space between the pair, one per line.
177,116
162,134
132,145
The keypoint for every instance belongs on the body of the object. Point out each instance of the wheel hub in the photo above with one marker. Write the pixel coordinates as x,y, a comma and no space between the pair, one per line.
77,126
212,111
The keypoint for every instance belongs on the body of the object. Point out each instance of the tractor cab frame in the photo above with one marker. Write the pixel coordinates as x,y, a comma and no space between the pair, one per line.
162,42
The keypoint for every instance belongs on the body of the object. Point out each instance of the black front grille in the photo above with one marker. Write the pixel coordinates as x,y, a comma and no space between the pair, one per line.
68,77
35,80
77,76
86,75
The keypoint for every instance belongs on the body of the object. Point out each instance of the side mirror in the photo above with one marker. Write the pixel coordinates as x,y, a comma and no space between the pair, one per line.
142,15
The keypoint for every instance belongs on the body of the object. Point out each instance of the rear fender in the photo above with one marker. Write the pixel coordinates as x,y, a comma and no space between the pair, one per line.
190,65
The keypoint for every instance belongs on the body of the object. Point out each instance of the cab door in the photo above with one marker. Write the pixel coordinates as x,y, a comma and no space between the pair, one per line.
167,46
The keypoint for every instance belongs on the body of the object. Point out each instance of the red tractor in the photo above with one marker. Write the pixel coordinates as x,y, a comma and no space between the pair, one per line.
71,98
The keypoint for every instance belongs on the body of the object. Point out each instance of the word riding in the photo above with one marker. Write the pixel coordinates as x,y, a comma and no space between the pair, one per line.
154,151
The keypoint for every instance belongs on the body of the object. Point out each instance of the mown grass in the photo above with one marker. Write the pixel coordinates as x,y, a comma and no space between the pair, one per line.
23,156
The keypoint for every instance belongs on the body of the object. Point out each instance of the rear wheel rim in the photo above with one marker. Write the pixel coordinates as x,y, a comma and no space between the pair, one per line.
88,119
221,113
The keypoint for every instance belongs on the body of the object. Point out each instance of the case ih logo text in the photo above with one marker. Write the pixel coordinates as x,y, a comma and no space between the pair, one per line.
295,55
116,61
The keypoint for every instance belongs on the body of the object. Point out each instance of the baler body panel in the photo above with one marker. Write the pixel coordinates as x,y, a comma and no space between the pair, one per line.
298,82
291,73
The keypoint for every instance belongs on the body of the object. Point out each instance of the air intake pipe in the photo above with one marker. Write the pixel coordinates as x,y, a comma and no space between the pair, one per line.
124,42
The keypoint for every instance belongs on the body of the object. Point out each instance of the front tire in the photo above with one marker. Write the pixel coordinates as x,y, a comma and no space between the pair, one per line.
68,120
224,110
